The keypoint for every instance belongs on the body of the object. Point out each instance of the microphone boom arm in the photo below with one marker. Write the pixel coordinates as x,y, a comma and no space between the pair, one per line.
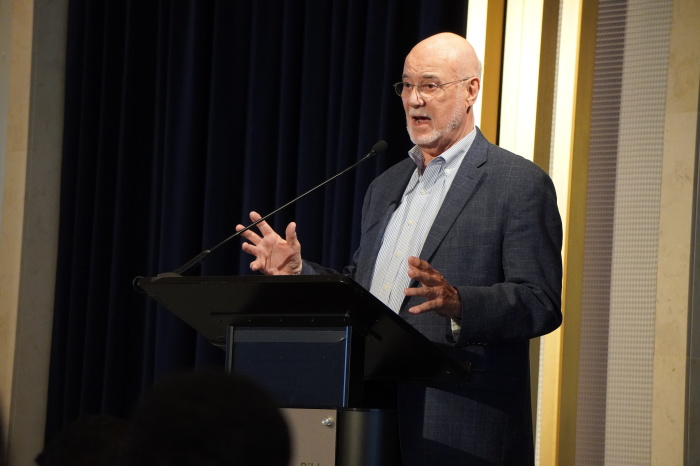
377,148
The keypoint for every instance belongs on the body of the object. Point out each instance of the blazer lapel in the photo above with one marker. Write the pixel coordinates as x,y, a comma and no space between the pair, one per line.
466,180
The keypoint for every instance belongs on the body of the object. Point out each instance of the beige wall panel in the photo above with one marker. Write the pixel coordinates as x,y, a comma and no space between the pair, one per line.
29,217
674,438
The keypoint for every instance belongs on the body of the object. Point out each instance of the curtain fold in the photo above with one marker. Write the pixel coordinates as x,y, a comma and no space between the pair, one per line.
180,118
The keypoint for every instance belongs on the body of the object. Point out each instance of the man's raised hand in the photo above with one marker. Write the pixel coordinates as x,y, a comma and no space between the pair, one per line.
441,297
273,254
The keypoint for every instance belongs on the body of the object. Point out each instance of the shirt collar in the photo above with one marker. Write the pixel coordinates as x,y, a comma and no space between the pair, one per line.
452,156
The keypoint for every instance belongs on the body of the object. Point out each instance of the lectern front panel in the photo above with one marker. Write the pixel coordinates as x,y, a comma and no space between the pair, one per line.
300,367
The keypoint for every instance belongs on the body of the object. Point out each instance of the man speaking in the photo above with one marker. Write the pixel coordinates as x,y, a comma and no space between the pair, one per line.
463,240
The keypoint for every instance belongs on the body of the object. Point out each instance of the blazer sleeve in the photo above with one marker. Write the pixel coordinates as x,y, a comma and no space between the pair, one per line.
526,303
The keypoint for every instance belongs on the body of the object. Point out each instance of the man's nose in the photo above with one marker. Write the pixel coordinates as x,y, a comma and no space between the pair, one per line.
415,99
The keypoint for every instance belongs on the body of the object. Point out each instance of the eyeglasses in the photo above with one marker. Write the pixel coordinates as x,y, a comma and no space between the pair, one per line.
404,89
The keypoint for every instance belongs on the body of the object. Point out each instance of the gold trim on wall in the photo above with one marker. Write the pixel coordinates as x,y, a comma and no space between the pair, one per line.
485,26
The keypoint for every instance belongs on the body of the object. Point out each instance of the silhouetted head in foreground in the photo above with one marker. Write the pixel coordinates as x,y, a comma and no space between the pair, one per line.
207,419
87,441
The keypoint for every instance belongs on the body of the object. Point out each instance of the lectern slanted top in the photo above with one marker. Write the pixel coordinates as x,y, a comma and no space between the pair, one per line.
392,347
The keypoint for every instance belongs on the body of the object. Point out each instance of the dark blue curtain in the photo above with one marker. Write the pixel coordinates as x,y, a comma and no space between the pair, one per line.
180,118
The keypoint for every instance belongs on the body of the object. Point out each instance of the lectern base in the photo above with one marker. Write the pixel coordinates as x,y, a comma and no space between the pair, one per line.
343,437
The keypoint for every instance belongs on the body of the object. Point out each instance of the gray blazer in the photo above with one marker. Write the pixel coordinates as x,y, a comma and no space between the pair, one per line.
497,239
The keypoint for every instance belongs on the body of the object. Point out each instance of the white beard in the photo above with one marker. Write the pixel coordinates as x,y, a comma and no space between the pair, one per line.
435,134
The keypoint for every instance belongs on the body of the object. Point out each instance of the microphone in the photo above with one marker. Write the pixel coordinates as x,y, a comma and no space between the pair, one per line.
380,146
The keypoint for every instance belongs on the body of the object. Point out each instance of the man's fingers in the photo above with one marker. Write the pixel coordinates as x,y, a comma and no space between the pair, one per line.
428,292
419,264
426,277
290,234
434,300
250,235
424,307
249,248
419,276
438,299
418,267
263,226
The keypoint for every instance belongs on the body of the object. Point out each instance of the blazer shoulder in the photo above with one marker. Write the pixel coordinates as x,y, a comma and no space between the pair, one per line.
500,158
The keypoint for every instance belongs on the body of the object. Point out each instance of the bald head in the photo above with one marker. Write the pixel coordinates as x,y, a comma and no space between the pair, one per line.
449,50
441,81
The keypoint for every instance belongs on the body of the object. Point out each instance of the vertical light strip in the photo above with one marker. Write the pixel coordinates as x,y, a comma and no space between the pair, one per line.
528,90
555,135
476,35
485,23
545,350
569,162
549,380
520,76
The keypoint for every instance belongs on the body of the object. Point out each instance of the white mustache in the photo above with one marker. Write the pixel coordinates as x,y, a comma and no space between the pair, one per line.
415,114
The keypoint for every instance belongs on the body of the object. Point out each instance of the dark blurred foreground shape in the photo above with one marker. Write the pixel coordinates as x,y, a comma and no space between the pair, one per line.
87,441
209,419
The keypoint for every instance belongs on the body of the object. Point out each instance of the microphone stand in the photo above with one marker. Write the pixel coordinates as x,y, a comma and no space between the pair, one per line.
376,149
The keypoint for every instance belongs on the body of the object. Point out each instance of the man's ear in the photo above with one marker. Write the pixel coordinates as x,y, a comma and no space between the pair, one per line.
473,88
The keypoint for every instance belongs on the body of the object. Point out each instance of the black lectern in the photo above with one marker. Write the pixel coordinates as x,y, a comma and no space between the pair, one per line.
317,342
